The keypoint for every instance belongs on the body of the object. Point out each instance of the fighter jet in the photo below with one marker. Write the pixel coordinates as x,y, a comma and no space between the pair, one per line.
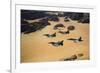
58,43
76,40
50,35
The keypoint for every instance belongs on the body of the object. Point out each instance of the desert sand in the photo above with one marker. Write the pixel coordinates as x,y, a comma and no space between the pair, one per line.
35,47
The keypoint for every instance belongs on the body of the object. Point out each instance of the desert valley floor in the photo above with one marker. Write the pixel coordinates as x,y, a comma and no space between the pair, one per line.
35,47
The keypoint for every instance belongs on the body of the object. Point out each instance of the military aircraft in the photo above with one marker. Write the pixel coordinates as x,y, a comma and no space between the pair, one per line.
50,35
58,43
76,40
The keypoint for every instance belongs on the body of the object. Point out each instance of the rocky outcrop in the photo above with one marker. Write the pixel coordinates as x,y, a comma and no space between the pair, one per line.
32,14
53,18
33,27
71,27
58,25
81,17
85,19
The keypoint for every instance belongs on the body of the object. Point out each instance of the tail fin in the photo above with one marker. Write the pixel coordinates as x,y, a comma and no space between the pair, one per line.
80,38
54,33
68,32
62,42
